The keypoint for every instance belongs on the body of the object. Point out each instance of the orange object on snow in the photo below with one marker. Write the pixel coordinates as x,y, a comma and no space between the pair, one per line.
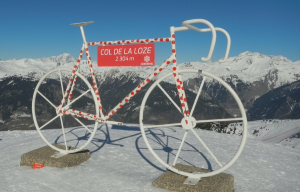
37,165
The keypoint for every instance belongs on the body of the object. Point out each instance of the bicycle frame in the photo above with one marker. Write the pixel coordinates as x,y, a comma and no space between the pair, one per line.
177,78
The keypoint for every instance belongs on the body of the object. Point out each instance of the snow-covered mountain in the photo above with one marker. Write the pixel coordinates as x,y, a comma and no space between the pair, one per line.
250,74
27,67
64,58
247,67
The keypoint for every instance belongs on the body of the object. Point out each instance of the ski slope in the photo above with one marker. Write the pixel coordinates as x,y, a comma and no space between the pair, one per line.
276,131
121,162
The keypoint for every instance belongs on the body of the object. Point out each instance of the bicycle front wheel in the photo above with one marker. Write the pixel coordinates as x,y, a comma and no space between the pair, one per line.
65,129
179,142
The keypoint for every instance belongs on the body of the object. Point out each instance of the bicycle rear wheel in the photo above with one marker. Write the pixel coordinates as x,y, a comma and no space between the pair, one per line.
66,130
175,141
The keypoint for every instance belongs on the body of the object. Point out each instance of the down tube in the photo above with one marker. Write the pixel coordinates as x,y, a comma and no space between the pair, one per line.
138,88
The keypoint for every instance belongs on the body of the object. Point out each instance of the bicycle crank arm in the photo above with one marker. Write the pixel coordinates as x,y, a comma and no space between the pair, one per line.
110,122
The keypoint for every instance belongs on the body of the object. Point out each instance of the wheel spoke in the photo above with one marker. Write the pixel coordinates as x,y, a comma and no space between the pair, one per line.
205,146
77,98
162,89
63,130
198,94
179,150
165,125
219,120
48,122
61,84
80,91
82,124
47,99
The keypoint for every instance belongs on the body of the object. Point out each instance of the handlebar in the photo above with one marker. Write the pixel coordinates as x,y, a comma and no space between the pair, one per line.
213,41
187,26
228,44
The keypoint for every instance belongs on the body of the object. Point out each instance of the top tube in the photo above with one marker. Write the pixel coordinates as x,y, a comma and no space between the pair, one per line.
123,42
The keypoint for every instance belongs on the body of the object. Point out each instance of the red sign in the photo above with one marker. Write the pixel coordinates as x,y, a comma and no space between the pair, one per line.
126,55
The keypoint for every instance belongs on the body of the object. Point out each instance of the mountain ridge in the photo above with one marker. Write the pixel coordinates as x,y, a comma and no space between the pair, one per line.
248,67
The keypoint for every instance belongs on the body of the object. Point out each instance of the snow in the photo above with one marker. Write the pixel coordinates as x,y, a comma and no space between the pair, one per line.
121,162
18,115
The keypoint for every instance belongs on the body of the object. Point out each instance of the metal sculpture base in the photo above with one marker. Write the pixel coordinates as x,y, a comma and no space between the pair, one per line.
174,182
192,180
58,155
49,157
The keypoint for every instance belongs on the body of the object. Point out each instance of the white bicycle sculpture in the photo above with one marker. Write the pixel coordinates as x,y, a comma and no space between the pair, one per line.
74,101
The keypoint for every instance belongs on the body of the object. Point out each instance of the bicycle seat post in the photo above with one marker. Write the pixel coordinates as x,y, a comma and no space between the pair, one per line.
81,25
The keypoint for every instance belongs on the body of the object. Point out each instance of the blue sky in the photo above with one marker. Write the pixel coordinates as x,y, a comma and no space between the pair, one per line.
41,28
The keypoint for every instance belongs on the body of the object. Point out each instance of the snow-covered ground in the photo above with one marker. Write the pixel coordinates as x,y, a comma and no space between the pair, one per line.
121,162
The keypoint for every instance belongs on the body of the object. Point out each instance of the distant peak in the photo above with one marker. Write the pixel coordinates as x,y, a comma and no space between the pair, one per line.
63,58
260,55
281,58
63,55
248,53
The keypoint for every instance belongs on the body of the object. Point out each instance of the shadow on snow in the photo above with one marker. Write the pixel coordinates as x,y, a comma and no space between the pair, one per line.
155,137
